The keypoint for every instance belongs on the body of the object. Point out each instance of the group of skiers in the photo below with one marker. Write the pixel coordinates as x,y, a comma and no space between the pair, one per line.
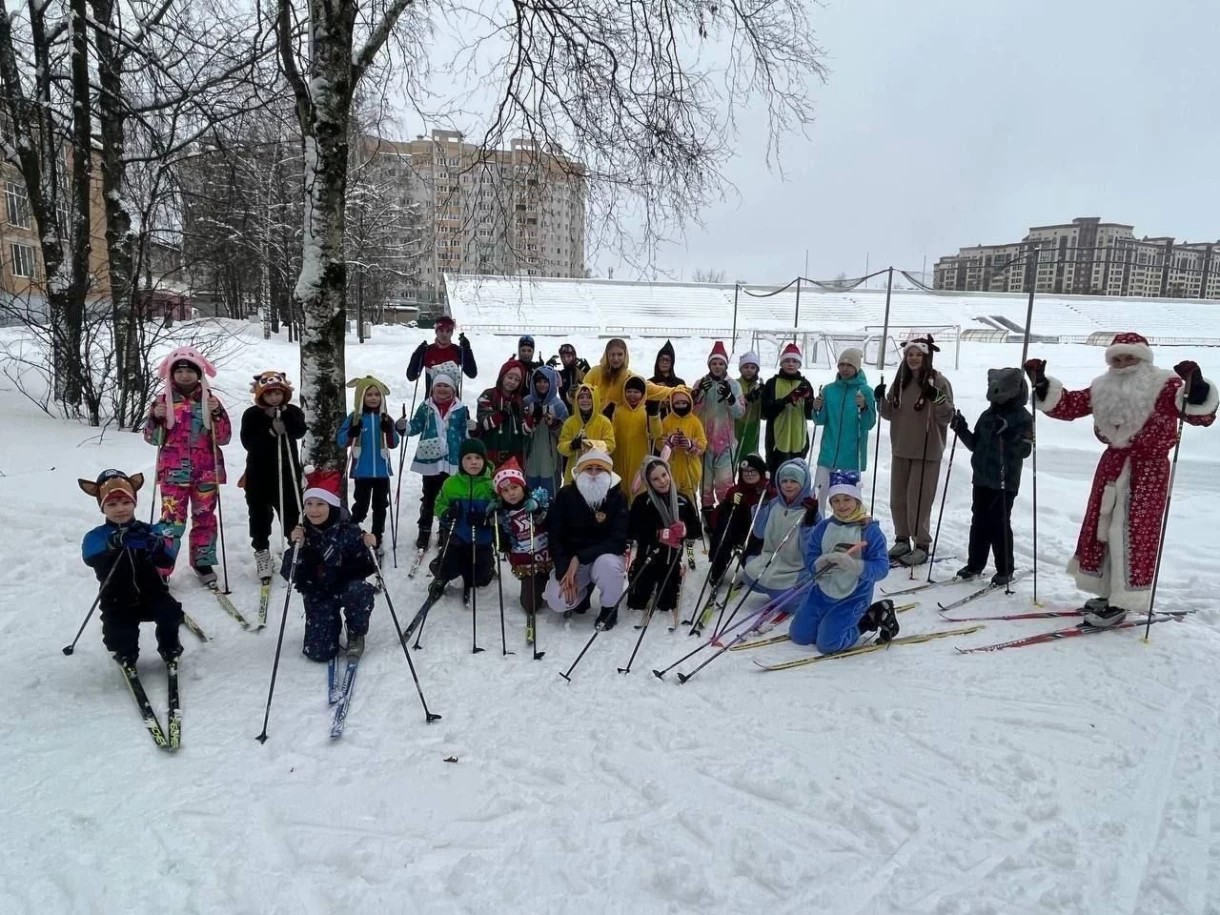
596,479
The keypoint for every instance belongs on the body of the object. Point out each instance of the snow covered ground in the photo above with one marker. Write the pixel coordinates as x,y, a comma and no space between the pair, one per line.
1072,777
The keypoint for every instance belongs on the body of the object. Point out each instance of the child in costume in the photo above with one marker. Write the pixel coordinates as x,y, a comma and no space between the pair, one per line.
330,571
500,415
791,514
637,426
369,431
787,406
270,431
749,425
732,518
440,422
718,404
545,414
584,429
131,559
188,424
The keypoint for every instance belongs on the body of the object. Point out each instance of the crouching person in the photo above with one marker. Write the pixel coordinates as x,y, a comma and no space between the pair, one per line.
333,562
588,537
847,557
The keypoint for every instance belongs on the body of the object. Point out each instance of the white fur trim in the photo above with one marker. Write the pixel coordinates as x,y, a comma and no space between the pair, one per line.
1207,408
324,495
1054,394
1139,350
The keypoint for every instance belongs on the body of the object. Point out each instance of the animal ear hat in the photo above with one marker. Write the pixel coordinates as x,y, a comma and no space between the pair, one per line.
112,484
362,385
270,380
202,367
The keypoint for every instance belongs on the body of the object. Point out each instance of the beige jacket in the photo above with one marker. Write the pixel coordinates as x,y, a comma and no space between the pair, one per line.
909,428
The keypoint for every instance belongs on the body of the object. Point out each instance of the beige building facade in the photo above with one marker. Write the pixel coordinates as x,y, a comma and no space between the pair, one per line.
1087,257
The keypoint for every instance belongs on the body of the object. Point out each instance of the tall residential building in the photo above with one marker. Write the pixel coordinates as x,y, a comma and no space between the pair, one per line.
1088,257
515,211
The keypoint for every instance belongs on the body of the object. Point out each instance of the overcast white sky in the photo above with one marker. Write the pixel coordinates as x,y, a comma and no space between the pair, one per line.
946,123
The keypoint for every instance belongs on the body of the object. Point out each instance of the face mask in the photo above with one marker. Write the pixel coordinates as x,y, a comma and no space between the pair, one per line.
682,409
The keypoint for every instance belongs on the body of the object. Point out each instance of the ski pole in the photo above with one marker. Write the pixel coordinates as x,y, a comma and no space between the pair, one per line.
533,586
719,629
1160,549
422,617
614,609
279,642
474,593
220,511
1033,433
885,335
402,453
674,562
705,613
755,617
944,497
715,555
923,470
152,503
279,479
429,716
504,652
68,649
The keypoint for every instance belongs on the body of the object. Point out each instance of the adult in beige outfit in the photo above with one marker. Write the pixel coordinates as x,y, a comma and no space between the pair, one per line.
918,407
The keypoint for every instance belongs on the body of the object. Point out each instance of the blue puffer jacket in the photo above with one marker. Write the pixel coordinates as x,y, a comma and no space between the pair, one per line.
371,450
845,441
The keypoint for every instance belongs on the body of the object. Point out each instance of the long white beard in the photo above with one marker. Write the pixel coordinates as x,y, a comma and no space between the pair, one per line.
1123,399
594,488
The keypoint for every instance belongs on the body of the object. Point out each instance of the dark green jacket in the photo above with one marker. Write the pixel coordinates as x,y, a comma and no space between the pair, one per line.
1001,441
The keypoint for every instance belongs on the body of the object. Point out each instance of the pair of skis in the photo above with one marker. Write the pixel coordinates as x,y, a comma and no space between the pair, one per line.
169,740
339,692
264,601
1069,632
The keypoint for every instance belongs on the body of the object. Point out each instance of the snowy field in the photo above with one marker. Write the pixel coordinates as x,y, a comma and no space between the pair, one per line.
1074,777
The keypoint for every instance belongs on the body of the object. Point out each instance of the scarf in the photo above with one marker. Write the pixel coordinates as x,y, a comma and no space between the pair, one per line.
667,508
858,516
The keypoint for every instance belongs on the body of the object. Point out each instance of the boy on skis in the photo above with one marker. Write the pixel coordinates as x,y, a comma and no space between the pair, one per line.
131,559
270,430
847,556
369,432
188,425
637,425
749,424
787,405
718,405
521,515
331,566
440,422
429,357
658,524
585,428
545,414
462,507
1001,441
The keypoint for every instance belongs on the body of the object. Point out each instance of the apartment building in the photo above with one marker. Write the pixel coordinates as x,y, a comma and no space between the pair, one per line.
1087,257
515,211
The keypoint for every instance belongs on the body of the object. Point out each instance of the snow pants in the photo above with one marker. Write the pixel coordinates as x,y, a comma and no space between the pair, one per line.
830,625
643,581
376,490
717,476
991,529
427,504
472,562
324,621
121,626
201,501
912,493
264,504
604,573
532,588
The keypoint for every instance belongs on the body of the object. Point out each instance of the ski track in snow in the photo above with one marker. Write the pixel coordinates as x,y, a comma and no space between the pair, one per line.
1075,777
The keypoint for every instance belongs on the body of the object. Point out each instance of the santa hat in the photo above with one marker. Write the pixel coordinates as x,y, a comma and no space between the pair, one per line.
594,457
323,485
362,386
112,484
445,321
1130,344
853,357
270,381
750,358
790,351
509,472
203,368
718,352
844,483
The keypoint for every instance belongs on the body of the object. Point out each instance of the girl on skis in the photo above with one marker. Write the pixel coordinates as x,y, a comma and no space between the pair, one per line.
188,424
440,422
500,415
521,515
370,433
658,525
848,410
545,414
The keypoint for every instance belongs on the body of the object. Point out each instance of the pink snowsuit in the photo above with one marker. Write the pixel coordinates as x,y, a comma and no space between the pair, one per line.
189,469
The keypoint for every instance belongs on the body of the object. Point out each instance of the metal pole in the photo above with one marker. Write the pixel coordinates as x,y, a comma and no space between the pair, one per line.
736,292
796,318
1032,269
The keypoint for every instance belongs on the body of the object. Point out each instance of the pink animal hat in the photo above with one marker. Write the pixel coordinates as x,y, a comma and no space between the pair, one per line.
201,365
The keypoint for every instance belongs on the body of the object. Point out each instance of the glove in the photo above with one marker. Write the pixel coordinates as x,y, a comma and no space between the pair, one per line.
608,410
794,397
277,427
553,362
673,535
493,421
705,384
530,505
1035,370
401,425
879,392
810,504
754,394
652,407
1196,388
929,391
386,423
577,442
736,498
537,413
583,365
463,342
130,539
449,517
958,424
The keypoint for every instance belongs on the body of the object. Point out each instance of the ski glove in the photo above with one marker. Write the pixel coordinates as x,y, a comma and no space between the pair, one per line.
879,392
652,407
577,442
1035,370
810,504
353,433
1196,388
277,426
537,413
386,423
958,424
929,391
754,394
463,342
673,535
401,425
608,410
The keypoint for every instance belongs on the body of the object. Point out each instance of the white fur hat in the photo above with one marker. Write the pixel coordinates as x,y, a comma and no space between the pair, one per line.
1130,344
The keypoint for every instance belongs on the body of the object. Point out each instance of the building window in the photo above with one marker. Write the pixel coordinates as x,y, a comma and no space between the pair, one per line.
18,205
23,260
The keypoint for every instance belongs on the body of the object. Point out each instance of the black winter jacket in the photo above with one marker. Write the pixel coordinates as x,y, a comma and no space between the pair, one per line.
576,532
262,445
332,555
999,444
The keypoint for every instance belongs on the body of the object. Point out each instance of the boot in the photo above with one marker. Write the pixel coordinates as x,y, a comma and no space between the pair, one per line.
262,564
435,590
355,644
915,557
1105,617
169,652
424,538
585,603
1097,603
899,549
965,573
1001,579
125,660
207,575
607,617
880,618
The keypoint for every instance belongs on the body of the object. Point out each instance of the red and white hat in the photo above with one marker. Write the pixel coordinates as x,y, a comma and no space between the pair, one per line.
790,351
322,484
1130,344
718,352
509,472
